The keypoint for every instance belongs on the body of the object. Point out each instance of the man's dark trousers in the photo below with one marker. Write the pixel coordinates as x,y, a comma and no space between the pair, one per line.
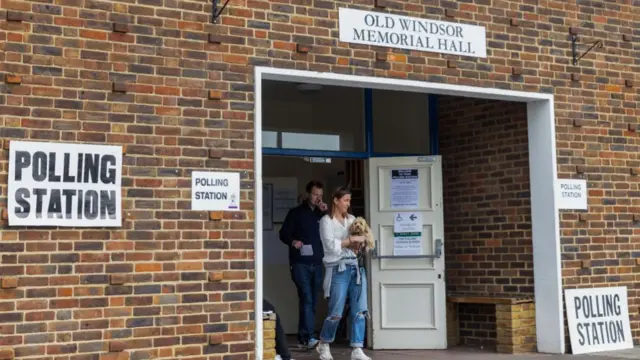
308,280
302,224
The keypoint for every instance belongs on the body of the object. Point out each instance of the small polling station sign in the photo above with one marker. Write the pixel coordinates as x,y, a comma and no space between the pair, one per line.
215,191
598,319
64,184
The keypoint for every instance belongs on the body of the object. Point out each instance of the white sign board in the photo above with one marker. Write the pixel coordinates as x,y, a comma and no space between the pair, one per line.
407,222
63,184
572,194
407,234
598,319
403,32
405,189
215,191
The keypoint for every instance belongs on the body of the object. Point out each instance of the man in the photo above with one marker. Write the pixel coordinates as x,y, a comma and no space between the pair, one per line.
301,233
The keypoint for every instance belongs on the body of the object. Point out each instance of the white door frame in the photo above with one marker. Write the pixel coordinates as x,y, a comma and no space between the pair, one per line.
542,174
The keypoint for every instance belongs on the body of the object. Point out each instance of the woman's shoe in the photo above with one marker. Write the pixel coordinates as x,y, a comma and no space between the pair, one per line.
358,354
324,351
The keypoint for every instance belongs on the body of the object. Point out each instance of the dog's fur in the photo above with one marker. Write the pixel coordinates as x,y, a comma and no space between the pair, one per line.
359,227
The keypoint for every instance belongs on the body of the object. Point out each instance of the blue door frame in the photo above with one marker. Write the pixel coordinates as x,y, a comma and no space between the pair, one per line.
368,125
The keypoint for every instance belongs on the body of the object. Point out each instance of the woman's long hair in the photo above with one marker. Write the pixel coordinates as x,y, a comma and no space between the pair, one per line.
338,194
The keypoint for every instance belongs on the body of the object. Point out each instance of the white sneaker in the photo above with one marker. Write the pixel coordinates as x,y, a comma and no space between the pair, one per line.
324,351
358,354
278,357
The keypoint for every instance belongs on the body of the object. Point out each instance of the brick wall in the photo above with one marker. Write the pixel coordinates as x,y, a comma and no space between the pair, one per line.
59,61
487,211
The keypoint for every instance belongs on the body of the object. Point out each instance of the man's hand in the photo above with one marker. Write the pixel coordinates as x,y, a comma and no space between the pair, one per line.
322,206
297,244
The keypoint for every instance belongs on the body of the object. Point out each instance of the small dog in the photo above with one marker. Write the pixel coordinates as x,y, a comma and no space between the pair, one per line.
359,227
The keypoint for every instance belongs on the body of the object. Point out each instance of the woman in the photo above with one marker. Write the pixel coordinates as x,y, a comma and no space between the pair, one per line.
344,277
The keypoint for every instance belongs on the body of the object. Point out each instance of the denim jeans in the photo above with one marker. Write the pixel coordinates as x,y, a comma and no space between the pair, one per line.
343,285
308,280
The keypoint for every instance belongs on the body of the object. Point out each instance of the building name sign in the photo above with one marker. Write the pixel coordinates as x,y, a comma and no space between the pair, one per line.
403,32
598,319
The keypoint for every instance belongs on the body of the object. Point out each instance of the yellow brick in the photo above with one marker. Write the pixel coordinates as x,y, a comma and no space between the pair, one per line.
269,334
268,324
269,344
269,354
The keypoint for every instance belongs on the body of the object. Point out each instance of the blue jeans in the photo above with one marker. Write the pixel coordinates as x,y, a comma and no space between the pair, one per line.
308,280
343,285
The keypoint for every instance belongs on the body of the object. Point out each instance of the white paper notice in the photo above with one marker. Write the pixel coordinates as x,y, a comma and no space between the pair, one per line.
407,245
405,189
407,234
306,250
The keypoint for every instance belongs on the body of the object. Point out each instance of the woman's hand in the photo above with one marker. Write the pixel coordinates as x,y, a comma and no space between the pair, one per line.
357,239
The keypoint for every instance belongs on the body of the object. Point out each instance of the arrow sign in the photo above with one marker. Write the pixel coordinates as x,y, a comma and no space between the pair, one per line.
410,223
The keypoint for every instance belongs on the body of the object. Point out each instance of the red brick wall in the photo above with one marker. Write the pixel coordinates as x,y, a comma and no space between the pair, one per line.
487,212
66,57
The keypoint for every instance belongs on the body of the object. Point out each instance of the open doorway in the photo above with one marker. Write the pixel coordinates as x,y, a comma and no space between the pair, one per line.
284,182
391,133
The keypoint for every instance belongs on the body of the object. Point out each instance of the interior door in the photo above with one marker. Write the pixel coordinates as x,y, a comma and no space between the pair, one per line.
406,270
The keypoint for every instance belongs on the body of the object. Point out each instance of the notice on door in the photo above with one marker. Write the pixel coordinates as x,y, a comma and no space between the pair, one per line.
572,194
598,319
405,189
407,234
63,184
215,191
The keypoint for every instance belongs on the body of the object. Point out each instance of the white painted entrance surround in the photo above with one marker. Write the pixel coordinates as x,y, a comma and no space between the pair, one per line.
543,175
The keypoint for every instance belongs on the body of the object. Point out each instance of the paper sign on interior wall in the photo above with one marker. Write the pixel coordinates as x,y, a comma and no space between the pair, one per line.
64,184
215,191
407,234
598,319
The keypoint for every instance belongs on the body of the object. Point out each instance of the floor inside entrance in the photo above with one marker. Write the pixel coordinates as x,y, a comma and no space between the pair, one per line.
342,352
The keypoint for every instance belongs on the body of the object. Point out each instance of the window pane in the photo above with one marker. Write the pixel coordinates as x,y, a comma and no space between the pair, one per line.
270,139
400,122
310,141
314,117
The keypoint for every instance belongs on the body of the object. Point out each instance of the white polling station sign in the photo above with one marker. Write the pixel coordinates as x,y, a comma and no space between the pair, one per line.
64,184
215,191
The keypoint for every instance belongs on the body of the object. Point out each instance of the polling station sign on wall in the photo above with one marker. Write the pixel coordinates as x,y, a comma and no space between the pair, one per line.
572,194
63,184
598,319
404,32
215,191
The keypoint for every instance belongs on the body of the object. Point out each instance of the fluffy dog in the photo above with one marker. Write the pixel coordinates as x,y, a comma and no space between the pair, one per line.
359,227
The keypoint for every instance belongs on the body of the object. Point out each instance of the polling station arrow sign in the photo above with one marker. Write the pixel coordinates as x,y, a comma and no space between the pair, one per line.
407,234
407,222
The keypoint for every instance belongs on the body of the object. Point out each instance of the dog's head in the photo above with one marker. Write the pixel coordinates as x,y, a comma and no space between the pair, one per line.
359,226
